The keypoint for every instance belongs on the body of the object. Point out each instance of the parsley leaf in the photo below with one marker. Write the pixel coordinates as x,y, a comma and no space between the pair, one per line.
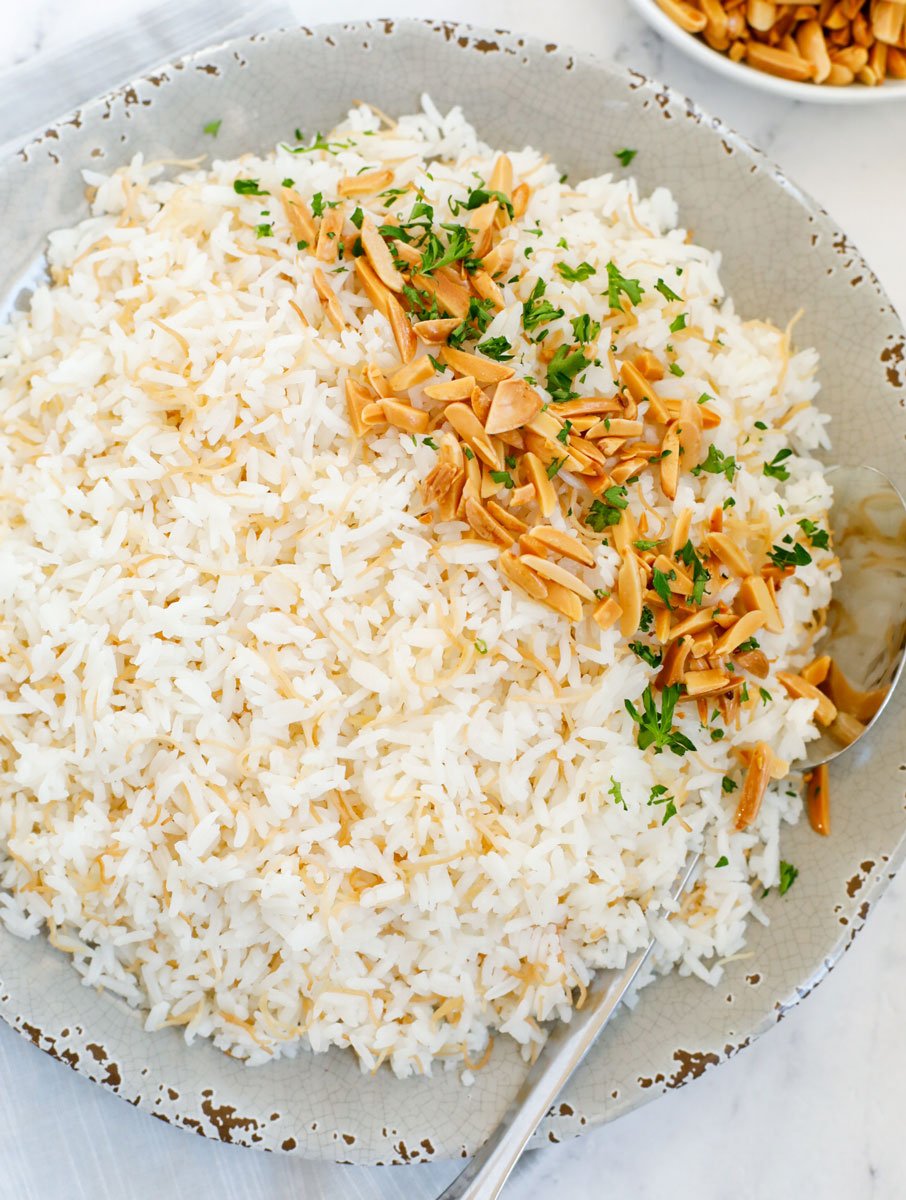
660,582
625,156
584,328
575,274
357,218
797,557
646,653
248,187
656,728
818,537
717,463
481,645
728,785
477,320
678,323
646,620
435,254
567,363
667,292
608,511
723,861
537,311
265,230
317,204
616,791
212,128
617,283
788,874
496,348
774,469
503,477
479,196
700,576
553,467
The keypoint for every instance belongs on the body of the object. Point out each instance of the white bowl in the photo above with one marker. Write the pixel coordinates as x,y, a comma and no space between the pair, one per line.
857,93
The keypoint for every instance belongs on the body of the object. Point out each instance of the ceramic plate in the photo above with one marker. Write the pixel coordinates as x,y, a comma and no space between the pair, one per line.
891,89
780,253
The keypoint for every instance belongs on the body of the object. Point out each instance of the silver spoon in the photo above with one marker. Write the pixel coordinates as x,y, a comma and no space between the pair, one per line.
866,638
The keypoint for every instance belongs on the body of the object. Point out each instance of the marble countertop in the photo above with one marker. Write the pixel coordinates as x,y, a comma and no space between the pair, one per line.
814,1108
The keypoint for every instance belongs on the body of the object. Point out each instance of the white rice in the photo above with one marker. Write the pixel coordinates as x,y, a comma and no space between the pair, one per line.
254,775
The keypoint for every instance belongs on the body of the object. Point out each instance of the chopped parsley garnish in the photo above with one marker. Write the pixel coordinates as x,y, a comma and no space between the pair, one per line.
585,329
212,128
717,735
265,230
248,187
728,785
503,477
675,369
678,323
765,695
575,274
302,245
496,348
788,874
760,425
317,204
478,319
749,644
774,469
430,443
667,292
563,435
656,728
481,646
723,861
608,511
567,363
700,577
537,311
422,304
357,218
616,791
470,454
798,556
644,544
660,582
435,254
625,156
480,196
660,795
617,283
646,620
553,467
818,537
646,653
717,463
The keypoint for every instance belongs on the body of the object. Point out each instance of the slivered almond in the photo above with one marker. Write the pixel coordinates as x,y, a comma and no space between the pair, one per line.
512,438
471,488
379,295
378,254
588,406
817,799
670,464
607,613
481,404
679,534
499,260
629,593
755,662
451,297
485,287
451,389
557,574
472,432
845,728
744,628
485,526
530,545
848,698
329,234
689,430
754,786
688,18
563,601
435,332
692,624
378,380
301,222
373,415
674,665
796,686
406,341
501,179
615,427
779,62
662,621
514,570
357,397
729,552
514,405
439,482
817,670
412,374
331,303
521,196
648,365
629,468
364,184
507,519
481,224
483,370
640,389
709,682
545,493
522,495
489,486
404,416
564,544
754,593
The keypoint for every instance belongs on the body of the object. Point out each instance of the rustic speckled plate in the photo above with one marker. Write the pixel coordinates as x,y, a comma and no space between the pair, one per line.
780,253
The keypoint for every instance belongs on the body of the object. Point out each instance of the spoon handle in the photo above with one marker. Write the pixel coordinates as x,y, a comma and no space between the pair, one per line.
561,1054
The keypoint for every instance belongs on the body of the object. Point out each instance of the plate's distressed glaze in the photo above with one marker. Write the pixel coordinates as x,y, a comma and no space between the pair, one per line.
780,253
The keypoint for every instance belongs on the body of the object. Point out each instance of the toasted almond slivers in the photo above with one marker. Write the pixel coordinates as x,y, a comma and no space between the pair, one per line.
404,416
607,613
670,462
755,662
522,495
378,254
556,574
483,370
451,297
754,593
451,389
373,414
629,594
545,493
706,683
485,526
649,364
845,728
817,670
472,432
378,380
817,799
730,553
674,665
357,397
379,295
519,574
485,287
615,427
796,687
812,46
412,374
435,332
364,184
439,482
507,519
331,303
501,179
774,61
514,405
564,544
685,15
481,404
694,623
848,698
301,222
499,260
744,628
754,786
329,234
403,335
588,406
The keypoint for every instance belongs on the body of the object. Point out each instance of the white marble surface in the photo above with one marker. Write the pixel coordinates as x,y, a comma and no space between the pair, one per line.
815,1109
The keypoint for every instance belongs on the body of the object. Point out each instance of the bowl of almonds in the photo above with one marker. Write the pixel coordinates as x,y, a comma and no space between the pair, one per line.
832,51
